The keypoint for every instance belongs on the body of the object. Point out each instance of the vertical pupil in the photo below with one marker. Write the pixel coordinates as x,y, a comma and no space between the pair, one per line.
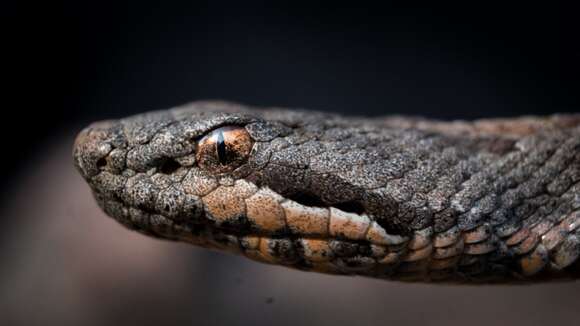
221,148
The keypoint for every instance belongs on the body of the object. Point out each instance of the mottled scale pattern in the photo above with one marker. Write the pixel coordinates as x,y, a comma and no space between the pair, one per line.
400,198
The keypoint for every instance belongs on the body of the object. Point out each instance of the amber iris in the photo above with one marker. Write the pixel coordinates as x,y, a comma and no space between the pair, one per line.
224,149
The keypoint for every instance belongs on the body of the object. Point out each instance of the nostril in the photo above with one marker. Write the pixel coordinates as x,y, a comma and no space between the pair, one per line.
101,163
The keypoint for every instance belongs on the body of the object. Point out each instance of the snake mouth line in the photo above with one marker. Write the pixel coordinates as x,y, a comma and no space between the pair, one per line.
243,210
352,227
312,200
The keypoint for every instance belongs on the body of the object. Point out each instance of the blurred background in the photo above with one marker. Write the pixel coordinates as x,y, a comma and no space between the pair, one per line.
65,64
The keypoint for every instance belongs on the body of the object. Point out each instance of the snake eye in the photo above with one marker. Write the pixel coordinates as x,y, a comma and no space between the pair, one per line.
224,149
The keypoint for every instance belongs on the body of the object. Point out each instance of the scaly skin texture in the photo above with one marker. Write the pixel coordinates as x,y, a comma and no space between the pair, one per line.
398,198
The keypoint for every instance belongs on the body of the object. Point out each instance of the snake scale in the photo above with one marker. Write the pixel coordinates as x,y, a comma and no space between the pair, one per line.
399,198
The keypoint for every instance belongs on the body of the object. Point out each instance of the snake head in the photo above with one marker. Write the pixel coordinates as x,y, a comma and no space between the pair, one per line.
159,165
222,175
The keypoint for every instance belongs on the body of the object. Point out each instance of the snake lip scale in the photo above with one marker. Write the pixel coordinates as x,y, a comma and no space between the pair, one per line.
398,198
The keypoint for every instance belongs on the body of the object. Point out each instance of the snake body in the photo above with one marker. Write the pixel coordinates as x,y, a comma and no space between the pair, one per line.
400,198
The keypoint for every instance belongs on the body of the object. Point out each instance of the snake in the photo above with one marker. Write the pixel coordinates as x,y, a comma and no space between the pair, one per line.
400,198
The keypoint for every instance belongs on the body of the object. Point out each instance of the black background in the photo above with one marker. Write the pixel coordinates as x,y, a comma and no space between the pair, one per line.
67,64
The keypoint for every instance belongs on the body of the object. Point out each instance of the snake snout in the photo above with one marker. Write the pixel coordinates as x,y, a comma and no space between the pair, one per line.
92,146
